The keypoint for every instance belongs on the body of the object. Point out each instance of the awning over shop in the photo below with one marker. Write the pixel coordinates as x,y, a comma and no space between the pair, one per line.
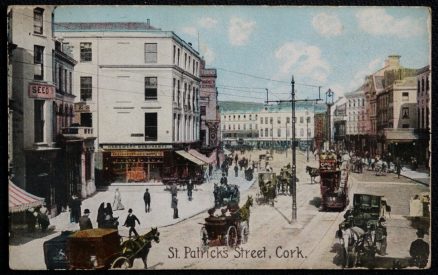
20,200
188,156
201,156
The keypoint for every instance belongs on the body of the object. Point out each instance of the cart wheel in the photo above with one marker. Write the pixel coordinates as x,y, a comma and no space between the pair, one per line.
231,237
244,233
204,238
122,263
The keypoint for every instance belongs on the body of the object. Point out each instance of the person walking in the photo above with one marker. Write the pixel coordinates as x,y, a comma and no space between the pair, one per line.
398,166
236,158
147,201
84,221
189,189
31,218
174,205
224,179
43,218
130,222
117,204
100,215
236,170
174,189
76,208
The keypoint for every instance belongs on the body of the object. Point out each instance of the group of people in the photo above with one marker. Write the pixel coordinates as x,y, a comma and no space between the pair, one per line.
37,217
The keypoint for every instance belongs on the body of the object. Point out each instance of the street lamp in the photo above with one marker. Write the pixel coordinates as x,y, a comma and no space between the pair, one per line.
329,98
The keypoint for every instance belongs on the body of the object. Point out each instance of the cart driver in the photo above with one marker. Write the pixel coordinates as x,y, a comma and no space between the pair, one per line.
84,221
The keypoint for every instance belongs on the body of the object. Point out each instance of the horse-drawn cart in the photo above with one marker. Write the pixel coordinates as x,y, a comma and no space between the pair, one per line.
99,248
267,185
363,234
229,230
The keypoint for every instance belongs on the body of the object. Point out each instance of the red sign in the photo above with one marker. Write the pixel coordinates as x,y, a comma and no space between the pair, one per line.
44,91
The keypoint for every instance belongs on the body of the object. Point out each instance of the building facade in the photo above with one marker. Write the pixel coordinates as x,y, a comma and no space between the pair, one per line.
423,113
158,94
209,109
357,124
239,125
33,94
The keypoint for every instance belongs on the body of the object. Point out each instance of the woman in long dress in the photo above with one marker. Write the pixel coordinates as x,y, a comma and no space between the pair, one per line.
117,204
100,215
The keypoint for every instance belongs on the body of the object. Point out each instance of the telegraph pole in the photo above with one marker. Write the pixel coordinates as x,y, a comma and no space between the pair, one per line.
294,168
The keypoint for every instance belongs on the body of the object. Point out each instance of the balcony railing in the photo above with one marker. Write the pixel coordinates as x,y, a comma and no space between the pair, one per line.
78,131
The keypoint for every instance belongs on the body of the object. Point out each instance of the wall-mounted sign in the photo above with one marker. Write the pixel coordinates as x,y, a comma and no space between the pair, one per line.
81,107
126,153
136,146
44,91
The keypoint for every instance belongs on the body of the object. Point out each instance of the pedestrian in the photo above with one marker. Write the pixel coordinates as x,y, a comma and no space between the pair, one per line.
84,221
236,158
236,171
224,180
100,215
43,218
174,205
174,189
398,166
117,204
419,250
31,218
130,222
147,201
210,170
76,208
189,189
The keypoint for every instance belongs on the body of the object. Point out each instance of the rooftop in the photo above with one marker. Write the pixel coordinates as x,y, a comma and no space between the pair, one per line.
104,26
253,107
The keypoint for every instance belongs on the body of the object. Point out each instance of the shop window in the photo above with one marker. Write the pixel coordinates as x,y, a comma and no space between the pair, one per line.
38,20
150,125
86,53
150,90
86,88
150,54
38,61
39,120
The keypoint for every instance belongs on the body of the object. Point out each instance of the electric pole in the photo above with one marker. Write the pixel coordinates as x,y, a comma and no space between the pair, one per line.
294,170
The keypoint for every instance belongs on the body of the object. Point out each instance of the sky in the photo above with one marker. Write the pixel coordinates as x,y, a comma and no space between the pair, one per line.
255,48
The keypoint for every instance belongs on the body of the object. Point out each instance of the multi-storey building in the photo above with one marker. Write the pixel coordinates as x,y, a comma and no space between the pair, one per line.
141,87
239,125
423,113
357,125
320,129
339,125
209,109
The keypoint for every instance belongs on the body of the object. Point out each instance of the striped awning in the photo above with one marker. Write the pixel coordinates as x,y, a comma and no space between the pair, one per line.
201,156
190,157
20,200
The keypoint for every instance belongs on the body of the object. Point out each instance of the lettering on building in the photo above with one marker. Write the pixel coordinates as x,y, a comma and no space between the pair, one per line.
43,91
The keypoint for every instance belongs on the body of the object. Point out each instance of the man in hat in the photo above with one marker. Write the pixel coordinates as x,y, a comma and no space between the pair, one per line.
130,222
84,221
419,250
147,200
174,205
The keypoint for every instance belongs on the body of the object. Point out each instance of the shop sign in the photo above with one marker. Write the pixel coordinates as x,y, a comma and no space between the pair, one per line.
82,107
44,91
126,153
137,146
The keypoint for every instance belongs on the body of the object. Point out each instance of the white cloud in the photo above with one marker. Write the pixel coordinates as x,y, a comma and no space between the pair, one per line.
240,30
377,21
208,54
327,25
207,22
359,77
303,60
338,89
190,31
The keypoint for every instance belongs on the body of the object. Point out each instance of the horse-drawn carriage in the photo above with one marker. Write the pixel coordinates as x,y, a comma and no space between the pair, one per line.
225,194
99,248
333,183
230,230
363,234
267,185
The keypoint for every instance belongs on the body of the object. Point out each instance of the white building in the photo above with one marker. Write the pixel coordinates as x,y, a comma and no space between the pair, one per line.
140,91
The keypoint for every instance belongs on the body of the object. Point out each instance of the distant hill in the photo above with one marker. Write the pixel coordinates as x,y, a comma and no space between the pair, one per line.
245,106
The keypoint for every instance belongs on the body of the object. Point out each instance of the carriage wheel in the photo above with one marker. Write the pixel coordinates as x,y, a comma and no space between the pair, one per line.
122,263
204,238
244,233
231,237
